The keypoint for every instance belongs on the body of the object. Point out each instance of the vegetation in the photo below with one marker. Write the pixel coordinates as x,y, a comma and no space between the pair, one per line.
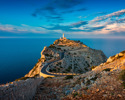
51,46
107,69
86,69
75,94
88,82
93,67
52,70
69,77
122,77
68,69
46,54
94,78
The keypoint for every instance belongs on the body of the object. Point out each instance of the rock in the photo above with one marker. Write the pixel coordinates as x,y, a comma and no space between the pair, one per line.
121,54
111,88
117,55
110,59
97,90
119,95
104,95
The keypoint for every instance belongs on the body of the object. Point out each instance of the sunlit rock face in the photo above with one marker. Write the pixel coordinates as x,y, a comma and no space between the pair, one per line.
77,57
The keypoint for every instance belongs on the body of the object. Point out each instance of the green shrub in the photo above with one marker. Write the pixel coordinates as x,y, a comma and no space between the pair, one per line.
75,94
69,77
123,84
94,78
107,69
88,82
93,67
51,46
86,69
122,77
46,54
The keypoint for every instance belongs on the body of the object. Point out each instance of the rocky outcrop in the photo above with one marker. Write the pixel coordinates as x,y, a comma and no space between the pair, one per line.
19,90
112,58
78,58
104,82
36,70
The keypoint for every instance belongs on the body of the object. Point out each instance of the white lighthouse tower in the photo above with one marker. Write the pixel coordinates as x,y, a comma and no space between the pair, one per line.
63,36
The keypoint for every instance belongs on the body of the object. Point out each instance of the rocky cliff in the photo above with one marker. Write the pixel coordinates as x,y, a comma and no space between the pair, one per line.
104,82
77,58
100,79
20,90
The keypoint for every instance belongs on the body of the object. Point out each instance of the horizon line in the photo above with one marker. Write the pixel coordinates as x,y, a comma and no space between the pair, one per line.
69,37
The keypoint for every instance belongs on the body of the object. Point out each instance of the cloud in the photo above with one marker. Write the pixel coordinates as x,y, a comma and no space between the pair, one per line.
122,20
21,29
75,10
78,24
75,27
70,27
54,5
114,14
57,10
107,26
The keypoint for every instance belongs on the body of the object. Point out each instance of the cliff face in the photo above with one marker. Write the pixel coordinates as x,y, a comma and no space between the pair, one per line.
19,90
76,57
104,82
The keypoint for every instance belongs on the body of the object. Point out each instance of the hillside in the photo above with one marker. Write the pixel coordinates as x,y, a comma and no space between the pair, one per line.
104,82
71,71
68,56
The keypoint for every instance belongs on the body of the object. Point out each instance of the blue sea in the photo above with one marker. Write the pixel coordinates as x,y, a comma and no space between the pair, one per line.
19,55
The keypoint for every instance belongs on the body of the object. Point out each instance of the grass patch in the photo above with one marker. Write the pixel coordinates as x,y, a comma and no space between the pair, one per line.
69,77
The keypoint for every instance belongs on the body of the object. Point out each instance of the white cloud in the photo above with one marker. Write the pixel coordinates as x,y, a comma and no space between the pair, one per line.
114,14
22,28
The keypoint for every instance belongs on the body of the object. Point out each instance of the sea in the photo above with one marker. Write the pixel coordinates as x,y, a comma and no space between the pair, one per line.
19,55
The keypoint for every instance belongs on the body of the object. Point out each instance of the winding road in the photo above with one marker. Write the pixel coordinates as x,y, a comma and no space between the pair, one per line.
44,67
44,71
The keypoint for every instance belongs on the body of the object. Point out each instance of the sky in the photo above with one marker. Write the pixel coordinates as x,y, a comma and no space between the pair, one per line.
51,18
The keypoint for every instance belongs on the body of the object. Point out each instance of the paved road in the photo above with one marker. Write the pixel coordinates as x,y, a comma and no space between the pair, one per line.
43,70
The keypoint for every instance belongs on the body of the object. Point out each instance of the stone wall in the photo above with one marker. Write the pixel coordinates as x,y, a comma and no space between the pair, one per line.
19,90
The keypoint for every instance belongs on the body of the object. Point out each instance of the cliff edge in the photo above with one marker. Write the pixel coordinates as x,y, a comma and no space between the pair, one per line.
68,56
104,82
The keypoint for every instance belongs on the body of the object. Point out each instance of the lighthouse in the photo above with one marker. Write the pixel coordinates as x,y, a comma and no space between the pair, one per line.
63,36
